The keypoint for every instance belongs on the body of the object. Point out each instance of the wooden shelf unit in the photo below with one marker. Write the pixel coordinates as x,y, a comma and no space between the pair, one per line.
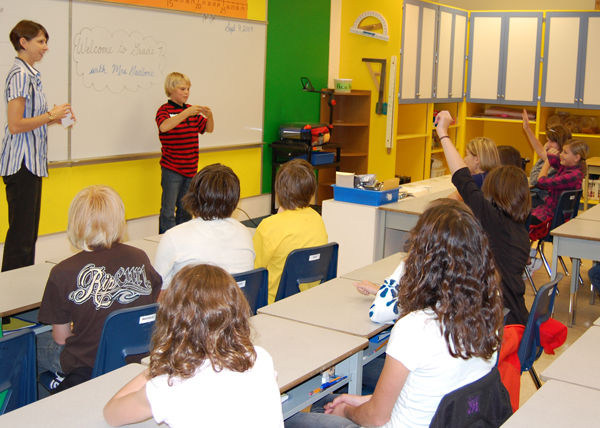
351,127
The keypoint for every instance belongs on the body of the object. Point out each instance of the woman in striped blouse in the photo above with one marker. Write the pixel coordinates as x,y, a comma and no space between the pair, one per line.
23,156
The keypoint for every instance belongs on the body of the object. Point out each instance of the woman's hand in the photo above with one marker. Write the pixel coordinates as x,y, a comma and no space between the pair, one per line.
346,400
366,287
60,112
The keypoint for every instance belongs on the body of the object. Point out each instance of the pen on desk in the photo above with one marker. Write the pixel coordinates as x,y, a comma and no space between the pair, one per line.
381,346
315,391
333,382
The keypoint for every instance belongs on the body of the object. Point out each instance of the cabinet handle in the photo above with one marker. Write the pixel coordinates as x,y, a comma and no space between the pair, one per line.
498,96
580,100
450,94
502,96
418,95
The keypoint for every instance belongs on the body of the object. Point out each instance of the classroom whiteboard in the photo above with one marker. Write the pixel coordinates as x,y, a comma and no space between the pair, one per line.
118,57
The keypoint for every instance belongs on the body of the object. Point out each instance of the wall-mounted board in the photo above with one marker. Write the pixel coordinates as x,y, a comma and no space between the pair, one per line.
118,58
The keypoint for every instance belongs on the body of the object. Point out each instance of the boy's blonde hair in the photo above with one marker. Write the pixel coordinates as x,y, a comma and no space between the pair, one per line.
486,149
174,80
96,218
579,147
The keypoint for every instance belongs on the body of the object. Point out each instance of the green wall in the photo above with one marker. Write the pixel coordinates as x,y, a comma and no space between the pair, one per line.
297,46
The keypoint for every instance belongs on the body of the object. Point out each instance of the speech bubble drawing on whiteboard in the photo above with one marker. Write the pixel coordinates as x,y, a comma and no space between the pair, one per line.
118,61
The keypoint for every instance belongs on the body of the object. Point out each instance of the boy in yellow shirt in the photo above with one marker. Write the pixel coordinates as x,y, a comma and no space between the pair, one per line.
295,226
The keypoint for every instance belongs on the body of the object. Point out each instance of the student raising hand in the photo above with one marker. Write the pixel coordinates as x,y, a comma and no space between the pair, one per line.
443,120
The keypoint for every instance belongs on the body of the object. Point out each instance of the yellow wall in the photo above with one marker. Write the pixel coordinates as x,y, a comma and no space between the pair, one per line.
138,183
353,48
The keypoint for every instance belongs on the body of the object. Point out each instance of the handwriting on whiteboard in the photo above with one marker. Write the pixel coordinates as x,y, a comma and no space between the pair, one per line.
232,27
118,61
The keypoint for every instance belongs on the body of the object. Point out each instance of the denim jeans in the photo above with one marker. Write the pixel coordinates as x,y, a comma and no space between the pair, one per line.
594,275
48,358
174,187
317,417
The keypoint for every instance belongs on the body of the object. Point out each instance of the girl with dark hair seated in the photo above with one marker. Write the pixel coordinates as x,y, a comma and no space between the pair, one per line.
448,332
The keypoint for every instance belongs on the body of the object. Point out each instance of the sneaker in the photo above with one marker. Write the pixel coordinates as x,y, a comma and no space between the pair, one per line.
533,265
533,252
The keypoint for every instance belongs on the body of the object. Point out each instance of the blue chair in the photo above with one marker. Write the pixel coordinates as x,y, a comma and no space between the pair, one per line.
567,209
255,286
530,348
17,370
126,332
307,265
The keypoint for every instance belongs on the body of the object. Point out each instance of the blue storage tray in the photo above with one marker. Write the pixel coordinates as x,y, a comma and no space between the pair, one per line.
319,158
322,158
365,197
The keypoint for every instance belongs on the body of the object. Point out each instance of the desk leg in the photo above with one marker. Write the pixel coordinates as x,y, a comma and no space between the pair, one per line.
573,295
380,238
352,367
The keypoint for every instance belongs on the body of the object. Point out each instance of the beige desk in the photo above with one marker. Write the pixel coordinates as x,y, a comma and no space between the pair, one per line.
149,247
577,365
593,214
578,239
403,215
597,322
301,352
593,165
155,238
22,289
558,405
378,271
335,305
77,407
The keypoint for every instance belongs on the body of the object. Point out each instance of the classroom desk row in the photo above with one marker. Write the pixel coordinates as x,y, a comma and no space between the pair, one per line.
328,327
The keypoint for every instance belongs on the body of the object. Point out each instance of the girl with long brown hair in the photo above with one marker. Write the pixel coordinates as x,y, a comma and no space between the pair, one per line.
201,355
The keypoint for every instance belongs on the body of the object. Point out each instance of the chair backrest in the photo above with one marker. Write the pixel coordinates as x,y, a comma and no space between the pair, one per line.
307,265
255,286
126,332
530,348
567,209
483,403
17,370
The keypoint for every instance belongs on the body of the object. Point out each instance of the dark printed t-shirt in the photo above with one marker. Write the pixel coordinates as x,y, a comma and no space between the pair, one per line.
86,288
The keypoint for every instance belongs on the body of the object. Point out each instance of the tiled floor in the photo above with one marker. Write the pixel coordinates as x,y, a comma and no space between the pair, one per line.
586,314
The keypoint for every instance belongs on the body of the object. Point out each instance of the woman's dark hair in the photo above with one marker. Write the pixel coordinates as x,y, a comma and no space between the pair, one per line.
203,316
510,156
507,189
295,184
214,193
451,272
559,134
27,29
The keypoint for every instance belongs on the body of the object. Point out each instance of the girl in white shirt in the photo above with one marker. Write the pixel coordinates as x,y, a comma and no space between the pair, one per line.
201,357
448,331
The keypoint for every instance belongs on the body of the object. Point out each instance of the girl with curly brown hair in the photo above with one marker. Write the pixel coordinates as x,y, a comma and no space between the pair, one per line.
448,333
201,354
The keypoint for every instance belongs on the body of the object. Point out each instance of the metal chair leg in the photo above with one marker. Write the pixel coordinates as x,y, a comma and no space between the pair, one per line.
543,257
535,378
528,275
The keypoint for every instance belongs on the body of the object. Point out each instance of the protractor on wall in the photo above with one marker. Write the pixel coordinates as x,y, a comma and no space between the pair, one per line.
371,24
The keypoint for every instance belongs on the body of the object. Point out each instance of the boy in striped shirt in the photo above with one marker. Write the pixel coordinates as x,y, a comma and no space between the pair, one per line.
179,125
